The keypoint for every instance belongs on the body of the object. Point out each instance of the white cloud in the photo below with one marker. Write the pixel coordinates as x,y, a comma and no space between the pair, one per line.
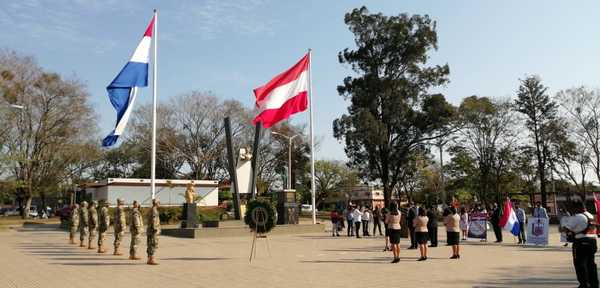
65,22
210,18
56,21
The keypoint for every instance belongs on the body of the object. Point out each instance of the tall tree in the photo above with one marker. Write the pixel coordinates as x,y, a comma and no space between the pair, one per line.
169,160
570,161
540,113
56,122
525,169
486,135
391,111
581,108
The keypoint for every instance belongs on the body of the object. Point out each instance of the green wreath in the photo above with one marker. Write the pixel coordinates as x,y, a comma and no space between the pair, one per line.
260,215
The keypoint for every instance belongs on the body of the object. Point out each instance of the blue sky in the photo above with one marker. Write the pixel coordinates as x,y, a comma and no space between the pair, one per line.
231,47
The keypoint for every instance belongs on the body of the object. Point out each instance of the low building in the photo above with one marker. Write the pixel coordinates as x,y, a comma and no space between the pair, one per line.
169,192
365,195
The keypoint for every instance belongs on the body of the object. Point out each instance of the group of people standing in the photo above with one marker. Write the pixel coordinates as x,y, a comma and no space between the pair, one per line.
89,222
422,225
357,221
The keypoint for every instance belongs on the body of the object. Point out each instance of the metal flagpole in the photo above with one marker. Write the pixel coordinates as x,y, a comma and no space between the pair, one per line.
153,157
312,139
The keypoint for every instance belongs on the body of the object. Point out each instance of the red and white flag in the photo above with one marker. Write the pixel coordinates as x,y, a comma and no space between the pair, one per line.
284,95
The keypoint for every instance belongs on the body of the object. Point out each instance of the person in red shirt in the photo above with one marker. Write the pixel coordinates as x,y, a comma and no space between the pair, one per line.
335,219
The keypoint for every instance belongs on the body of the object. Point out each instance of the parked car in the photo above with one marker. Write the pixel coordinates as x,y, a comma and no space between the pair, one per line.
11,212
307,208
33,212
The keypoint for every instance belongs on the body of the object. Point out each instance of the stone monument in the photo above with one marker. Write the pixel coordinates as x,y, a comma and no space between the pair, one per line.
287,207
190,210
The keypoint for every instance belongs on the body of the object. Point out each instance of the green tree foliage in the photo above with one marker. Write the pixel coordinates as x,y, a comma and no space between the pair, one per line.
486,136
540,113
391,111
332,180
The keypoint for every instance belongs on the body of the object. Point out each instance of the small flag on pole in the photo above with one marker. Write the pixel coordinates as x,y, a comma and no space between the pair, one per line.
284,95
122,91
509,219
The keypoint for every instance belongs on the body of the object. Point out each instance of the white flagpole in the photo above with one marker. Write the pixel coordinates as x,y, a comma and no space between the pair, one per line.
312,138
153,157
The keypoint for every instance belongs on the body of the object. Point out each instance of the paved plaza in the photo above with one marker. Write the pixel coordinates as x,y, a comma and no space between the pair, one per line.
42,258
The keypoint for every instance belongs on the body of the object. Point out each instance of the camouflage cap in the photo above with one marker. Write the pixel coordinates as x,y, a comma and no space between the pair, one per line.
94,203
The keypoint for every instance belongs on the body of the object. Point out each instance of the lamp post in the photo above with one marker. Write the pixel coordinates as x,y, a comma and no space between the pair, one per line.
289,180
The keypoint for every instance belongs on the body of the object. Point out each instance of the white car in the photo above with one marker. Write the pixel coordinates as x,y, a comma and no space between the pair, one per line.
306,208
33,213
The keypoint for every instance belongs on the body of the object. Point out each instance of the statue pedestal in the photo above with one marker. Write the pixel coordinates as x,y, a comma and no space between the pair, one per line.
287,208
190,216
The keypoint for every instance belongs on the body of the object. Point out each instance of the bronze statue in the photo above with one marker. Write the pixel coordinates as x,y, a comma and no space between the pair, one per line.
190,193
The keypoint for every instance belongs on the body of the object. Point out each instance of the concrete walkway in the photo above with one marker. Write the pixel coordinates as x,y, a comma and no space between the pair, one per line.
33,258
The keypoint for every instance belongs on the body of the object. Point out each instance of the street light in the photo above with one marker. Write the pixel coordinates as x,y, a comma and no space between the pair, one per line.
289,178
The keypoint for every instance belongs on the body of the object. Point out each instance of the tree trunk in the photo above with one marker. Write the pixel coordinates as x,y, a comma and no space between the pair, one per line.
543,185
531,194
27,207
387,195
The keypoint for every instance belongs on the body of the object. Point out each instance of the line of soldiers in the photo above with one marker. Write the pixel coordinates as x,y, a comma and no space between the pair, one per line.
89,221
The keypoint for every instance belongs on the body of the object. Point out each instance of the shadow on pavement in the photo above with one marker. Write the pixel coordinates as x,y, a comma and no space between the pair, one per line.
57,253
85,258
359,249
98,264
521,276
377,260
194,259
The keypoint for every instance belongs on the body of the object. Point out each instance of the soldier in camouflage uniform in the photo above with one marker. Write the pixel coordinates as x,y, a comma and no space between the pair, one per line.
136,227
152,232
83,223
103,224
74,223
93,224
119,224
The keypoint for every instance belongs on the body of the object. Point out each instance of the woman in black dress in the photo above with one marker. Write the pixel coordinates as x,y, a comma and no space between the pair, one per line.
392,221
421,232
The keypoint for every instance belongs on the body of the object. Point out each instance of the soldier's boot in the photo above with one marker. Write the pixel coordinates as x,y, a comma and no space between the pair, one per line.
151,261
117,252
133,257
71,240
91,245
101,249
81,244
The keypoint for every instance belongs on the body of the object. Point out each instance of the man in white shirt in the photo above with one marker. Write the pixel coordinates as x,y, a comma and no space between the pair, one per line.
365,221
357,217
584,246
539,211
